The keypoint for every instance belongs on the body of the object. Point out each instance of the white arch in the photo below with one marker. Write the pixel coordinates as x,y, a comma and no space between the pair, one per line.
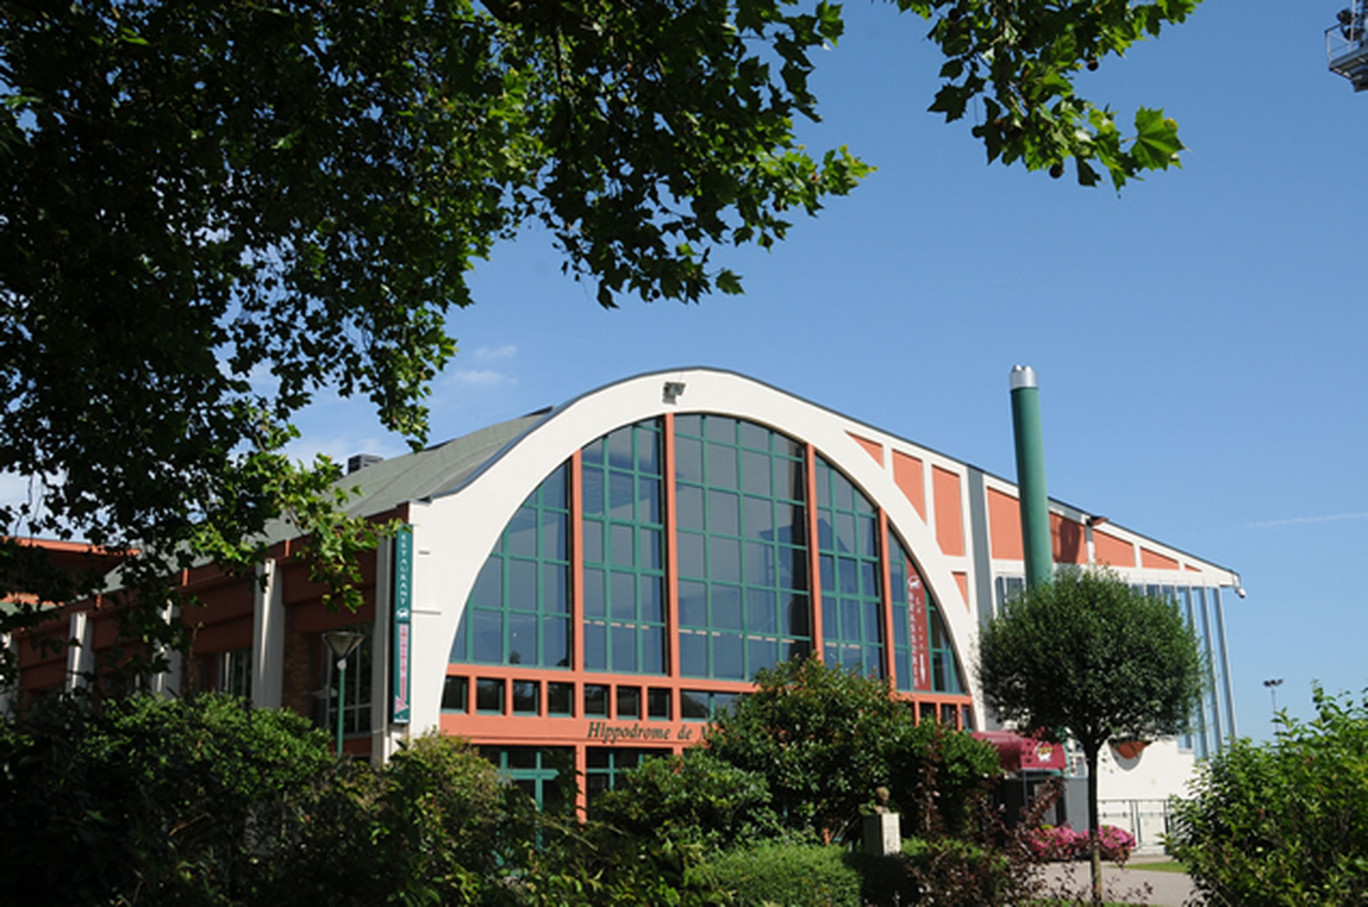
454,534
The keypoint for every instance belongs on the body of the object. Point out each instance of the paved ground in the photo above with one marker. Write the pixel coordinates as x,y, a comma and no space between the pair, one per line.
1132,885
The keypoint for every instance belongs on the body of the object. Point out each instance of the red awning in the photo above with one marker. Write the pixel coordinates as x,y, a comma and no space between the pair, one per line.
1019,753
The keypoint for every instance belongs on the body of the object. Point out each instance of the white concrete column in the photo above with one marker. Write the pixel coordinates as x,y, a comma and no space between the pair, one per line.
268,637
80,655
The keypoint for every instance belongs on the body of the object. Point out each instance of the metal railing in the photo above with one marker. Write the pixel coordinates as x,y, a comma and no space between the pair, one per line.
1147,820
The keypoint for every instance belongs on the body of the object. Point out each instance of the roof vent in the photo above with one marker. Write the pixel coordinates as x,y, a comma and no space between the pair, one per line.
358,462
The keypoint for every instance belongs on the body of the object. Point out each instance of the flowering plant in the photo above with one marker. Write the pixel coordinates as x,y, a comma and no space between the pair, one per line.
1060,842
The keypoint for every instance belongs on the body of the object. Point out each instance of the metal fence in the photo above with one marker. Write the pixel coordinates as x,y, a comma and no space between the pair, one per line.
1147,820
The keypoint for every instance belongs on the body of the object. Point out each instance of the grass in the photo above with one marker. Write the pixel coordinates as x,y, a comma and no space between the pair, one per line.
1159,866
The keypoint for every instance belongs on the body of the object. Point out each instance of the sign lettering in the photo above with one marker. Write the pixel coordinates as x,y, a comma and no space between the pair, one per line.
401,625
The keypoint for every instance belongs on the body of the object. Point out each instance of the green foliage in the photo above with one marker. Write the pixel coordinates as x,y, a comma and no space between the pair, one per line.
791,874
1087,654
824,739
212,211
1283,822
154,800
1021,60
694,799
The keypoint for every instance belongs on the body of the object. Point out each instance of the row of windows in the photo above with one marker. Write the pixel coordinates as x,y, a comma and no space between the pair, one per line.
557,699
742,548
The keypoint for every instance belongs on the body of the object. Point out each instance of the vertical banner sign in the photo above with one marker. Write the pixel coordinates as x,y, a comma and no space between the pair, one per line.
401,629
916,627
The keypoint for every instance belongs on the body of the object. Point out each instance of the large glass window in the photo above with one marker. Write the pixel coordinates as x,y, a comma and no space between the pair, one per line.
519,610
743,571
535,770
357,705
624,551
852,600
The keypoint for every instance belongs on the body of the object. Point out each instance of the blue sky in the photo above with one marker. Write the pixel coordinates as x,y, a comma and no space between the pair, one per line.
1197,338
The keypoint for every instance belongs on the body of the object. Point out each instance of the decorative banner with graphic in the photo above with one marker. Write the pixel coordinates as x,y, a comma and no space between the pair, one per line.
916,630
402,624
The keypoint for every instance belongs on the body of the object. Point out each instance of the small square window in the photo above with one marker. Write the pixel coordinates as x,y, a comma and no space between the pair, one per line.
456,694
693,705
629,702
595,699
658,703
560,699
489,694
526,697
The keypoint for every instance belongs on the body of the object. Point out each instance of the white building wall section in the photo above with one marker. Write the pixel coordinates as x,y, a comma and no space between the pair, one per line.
454,534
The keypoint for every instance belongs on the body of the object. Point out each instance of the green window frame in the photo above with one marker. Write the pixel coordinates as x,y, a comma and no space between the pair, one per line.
519,610
741,532
604,766
536,771
851,566
623,523
356,711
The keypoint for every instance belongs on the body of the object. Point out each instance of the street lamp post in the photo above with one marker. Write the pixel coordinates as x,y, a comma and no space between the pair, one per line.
342,643
1273,683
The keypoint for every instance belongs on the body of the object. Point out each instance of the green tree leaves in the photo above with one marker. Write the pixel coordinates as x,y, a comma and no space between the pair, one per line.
1283,822
213,210
1087,654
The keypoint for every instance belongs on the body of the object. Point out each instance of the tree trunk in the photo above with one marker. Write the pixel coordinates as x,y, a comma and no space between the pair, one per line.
1090,754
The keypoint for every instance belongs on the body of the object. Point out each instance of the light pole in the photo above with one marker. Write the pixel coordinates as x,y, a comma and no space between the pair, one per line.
342,643
1273,683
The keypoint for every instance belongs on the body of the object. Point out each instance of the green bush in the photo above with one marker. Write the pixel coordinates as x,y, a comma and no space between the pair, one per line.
695,798
825,739
156,800
1285,822
794,875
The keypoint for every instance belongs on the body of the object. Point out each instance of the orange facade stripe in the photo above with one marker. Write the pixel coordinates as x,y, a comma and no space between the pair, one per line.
949,514
873,448
667,470
1156,561
576,563
1068,544
814,558
907,474
1004,527
962,580
1111,551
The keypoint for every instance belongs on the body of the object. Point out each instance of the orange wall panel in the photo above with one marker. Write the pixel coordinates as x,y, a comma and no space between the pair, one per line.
962,579
873,448
1067,542
949,514
1157,561
907,472
1004,527
1112,551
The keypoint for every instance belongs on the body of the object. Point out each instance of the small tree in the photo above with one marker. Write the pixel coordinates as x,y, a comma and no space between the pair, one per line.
824,739
1087,654
1285,822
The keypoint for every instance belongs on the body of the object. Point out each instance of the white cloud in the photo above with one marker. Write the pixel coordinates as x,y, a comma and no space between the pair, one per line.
1298,520
495,353
480,377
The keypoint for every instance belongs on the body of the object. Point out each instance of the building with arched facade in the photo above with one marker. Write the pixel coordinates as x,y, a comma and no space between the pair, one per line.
589,584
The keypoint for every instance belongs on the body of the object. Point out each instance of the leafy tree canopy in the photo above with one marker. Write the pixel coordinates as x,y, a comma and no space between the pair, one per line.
1087,654
824,739
212,210
1286,821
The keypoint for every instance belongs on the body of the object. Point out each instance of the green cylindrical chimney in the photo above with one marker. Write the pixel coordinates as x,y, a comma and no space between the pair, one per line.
1030,460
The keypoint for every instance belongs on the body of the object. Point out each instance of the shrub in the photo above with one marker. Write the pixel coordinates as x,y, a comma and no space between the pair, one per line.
695,798
1052,843
955,871
794,875
160,800
1284,822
